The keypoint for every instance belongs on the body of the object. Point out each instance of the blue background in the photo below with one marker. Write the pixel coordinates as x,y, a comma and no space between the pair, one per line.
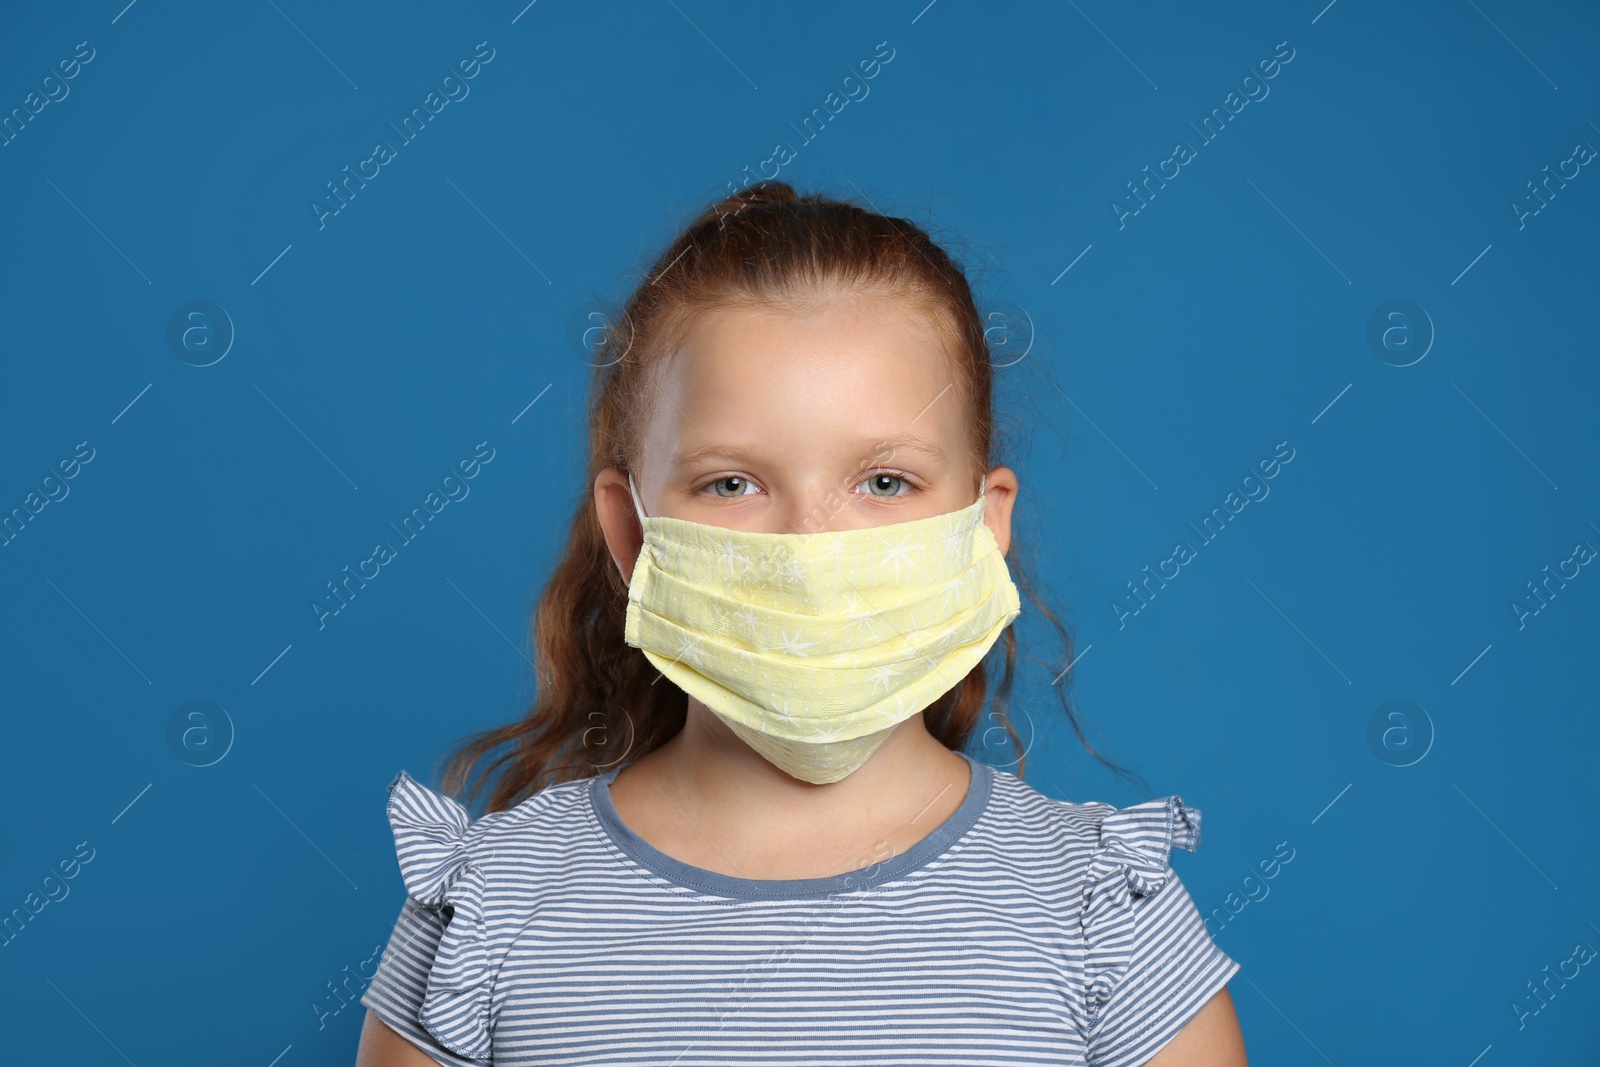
436,310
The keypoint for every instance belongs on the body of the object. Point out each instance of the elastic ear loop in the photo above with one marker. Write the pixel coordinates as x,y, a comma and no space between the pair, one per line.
638,508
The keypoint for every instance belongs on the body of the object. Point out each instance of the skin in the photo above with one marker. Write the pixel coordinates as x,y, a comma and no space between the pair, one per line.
790,407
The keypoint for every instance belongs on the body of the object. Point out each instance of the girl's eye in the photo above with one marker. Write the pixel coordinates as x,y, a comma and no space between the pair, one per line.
876,482
883,484
733,481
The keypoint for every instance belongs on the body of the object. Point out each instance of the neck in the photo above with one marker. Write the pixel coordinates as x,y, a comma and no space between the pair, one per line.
710,763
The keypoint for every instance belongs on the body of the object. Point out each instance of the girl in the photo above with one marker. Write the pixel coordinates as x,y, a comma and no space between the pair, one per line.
738,825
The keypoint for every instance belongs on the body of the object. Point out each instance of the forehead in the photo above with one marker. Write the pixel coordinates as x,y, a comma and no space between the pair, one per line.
806,382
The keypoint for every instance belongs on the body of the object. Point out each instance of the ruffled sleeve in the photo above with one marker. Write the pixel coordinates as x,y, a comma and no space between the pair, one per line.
1132,858
438,871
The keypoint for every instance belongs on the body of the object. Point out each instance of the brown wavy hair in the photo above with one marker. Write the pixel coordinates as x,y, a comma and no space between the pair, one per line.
767,247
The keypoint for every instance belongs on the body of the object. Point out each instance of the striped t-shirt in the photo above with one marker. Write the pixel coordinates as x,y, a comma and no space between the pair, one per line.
1023,930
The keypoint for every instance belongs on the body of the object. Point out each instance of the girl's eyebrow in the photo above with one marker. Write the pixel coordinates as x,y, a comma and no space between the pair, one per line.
687,456
866,445
909,441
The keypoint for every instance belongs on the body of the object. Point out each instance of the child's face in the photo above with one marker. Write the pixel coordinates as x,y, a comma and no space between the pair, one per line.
842,418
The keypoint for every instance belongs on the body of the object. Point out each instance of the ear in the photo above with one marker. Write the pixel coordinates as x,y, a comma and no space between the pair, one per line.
613,506
1000,486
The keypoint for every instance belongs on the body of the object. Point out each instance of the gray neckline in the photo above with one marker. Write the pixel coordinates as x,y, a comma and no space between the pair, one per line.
922,853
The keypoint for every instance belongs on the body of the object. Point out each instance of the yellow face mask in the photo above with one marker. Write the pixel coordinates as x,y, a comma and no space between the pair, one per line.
812,647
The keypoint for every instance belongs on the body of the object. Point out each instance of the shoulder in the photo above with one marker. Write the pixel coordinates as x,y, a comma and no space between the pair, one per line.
1094,838
434,832
440,846
479,877
1127,907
